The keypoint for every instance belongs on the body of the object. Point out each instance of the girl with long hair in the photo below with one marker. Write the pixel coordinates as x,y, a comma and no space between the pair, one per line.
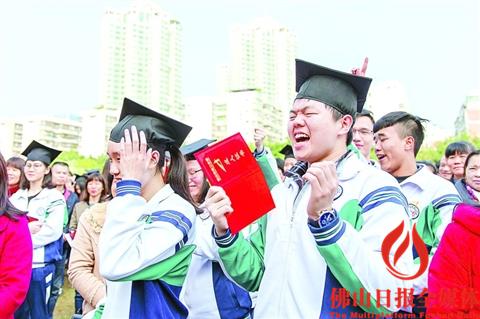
15,174
15,251
46,211
146,241
95,192
84,266
208,292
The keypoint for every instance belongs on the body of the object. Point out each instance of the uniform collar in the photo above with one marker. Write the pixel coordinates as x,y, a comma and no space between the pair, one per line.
162,194
420,178
350,166
23,193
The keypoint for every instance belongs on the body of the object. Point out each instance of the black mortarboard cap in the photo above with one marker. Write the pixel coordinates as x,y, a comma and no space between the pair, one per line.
344,92
91,171
158,128
287,151
38,152
194,147
81,178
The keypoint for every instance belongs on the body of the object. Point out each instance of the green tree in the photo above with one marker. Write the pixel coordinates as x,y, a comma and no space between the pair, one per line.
436,152
80,164
274,146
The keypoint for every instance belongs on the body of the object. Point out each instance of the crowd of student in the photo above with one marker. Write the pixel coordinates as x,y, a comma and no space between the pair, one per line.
148,236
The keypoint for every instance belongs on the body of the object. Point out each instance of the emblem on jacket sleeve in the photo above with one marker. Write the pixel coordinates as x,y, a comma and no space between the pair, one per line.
414,211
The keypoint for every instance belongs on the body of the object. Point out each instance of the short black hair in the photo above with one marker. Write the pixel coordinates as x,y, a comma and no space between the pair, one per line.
472,154
366,113
336,116
411,126
462,147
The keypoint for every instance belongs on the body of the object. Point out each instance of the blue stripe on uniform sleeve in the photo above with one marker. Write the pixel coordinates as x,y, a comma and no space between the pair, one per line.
125,187
226,240
445,200
177,219
387,194
328,234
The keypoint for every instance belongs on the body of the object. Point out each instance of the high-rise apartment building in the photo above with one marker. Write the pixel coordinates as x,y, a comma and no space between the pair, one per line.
243,111
468,118
261,72
11,131
61,133
141,58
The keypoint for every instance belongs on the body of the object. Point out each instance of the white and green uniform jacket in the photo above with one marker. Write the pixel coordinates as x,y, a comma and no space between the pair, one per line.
431,200
297,268
207,291
145,249
50,208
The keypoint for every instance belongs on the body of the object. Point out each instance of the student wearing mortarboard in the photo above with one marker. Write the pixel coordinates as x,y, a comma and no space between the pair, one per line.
46,210
146,242
197,182
289,158
325,234
208,293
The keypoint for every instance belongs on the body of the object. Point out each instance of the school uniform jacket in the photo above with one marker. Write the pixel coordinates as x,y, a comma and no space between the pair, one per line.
208,293
299,269
145,249
48,206
431,200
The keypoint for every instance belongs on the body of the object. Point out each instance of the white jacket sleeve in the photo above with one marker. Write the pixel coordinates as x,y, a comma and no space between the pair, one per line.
352,246
437,220
133,237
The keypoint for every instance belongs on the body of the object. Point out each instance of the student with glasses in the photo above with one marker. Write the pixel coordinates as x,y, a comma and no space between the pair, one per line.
208,292
46,210
363,134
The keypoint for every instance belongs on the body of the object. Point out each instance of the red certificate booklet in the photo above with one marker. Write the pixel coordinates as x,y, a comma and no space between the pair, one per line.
230,164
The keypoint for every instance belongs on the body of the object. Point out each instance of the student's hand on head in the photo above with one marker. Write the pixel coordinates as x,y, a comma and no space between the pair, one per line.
259,136
324,183
363,70
218,205
134,156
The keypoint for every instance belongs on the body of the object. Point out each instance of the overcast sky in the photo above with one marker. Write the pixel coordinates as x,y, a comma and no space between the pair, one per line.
50,50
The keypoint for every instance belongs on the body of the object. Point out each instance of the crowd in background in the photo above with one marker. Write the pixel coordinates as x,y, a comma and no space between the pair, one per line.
66,226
